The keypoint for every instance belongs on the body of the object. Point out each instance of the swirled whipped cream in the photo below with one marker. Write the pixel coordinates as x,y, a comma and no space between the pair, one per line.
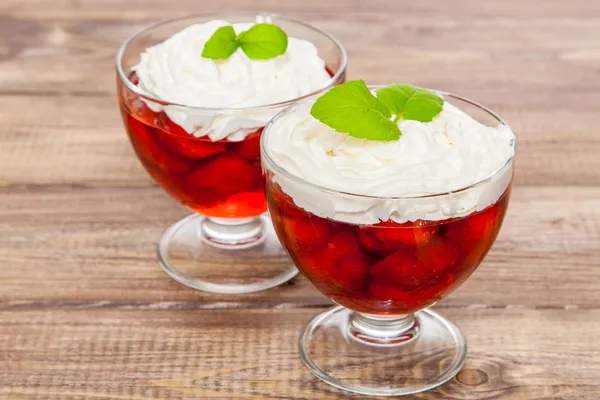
175,71
452,152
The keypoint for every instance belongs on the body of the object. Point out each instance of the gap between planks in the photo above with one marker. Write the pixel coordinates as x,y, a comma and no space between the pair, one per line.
25,305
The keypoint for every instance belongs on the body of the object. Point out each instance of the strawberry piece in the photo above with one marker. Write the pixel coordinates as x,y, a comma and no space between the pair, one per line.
148,150
142,111
413,269
438,258
475,227
192,148
282,201
476,233
306,232
239,205
406,301
200,200
249,148
227,174
340,264
387,237
171,127
251,200
399,268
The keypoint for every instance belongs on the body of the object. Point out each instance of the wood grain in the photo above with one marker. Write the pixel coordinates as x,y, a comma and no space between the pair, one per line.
85,244
92,126
121,354
85,312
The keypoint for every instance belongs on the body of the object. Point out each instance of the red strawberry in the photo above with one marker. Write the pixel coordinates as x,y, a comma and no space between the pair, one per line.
247,204
284,202
306,232
249,148
387,237
142,112
409,300
147,149
399,268
252,200
190,147
475,234
171,127
239,205
227,173
417,267
196,199
475,227
439,257
340,264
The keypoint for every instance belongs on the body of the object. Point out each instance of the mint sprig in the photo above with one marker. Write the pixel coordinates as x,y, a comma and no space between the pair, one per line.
351,108
221,45
260,42
409,102
263,41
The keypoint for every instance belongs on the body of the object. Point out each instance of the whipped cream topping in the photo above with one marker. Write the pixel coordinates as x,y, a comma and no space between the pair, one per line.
451,152
175,71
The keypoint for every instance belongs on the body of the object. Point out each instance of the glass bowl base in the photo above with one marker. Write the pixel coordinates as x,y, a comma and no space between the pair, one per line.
331,350
194,259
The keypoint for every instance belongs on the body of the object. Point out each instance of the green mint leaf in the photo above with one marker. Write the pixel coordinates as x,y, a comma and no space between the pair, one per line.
221,45
409,102
263,41
351,108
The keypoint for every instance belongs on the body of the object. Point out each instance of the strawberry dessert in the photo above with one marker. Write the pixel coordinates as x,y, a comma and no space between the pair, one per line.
195,93
386,267
387,199
195,106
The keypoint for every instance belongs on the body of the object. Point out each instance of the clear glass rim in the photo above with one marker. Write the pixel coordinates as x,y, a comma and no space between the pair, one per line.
148,96
266,157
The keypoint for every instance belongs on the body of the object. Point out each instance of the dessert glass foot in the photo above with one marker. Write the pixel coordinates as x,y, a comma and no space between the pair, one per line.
228,257
382,356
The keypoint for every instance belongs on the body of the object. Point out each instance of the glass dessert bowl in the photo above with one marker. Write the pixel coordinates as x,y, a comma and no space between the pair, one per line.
195,124
383,258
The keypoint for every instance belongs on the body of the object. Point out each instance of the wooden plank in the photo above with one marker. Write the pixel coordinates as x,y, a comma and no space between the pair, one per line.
85,247
230,354
464,9
510,60
85,312
76,140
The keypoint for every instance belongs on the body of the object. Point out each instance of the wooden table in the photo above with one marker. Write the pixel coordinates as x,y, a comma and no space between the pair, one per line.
85,312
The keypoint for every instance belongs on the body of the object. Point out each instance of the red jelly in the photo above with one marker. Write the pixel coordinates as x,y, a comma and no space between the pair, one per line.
219,179
386,268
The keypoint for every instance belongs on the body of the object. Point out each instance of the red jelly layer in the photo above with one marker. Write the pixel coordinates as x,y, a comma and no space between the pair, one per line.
387,268
220,179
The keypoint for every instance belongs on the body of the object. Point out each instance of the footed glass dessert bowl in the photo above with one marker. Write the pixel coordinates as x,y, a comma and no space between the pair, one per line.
195,94
386,228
